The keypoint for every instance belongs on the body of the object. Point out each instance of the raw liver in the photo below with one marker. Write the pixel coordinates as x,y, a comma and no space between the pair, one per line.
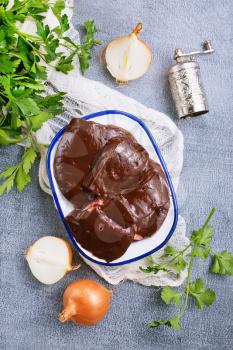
119,194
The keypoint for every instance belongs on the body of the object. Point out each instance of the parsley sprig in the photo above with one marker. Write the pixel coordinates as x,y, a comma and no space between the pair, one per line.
23,69
199,247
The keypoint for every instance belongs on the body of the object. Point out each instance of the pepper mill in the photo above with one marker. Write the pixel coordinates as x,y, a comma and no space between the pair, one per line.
186,85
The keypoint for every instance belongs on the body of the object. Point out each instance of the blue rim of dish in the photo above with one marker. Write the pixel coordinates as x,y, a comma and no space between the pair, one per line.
173,195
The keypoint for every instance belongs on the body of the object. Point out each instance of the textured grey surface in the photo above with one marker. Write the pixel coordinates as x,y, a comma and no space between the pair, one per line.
28,309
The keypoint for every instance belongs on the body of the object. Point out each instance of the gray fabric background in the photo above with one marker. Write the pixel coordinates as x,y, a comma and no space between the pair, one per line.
28,309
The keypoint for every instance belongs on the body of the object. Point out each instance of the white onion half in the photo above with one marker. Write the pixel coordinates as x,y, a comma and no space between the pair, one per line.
49,259
128,57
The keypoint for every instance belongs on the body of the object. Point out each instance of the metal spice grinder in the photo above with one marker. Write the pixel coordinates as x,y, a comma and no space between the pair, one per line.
185,81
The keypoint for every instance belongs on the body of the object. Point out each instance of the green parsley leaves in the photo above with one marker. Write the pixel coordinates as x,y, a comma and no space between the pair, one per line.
168,295
200,248
222,263
23,106
18,174
203,297
174,322
88,43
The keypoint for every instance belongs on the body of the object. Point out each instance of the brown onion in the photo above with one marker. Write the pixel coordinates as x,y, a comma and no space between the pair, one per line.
86,302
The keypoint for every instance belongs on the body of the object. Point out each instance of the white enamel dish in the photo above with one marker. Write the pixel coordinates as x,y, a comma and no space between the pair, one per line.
140,249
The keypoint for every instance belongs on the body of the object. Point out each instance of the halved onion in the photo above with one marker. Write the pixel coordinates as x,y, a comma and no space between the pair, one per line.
128,57
50,259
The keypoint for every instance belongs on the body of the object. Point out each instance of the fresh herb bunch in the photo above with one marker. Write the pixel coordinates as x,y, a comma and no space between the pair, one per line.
22,72
175,262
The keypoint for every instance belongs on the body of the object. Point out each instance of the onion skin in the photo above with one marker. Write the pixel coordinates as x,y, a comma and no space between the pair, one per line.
137,29
71,267
86,302
70,253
